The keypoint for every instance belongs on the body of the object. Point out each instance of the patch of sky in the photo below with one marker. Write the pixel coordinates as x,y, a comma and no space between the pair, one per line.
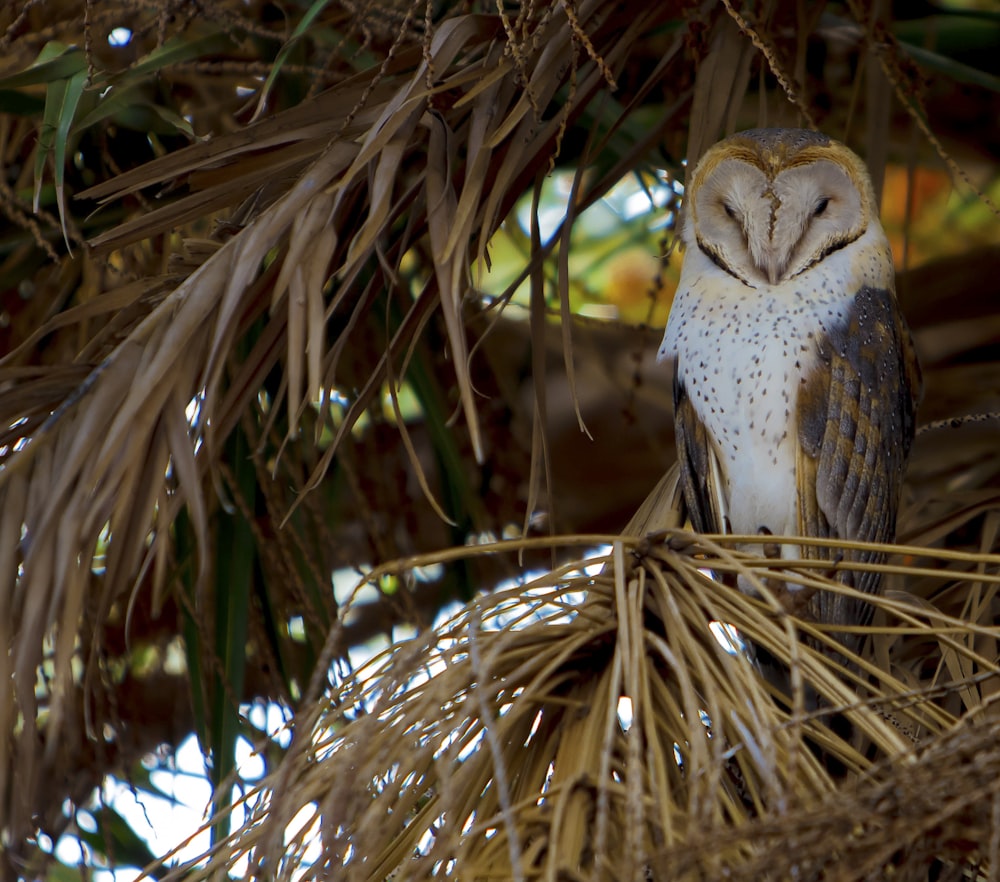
120,36
625,716
634,196
174,807
729,638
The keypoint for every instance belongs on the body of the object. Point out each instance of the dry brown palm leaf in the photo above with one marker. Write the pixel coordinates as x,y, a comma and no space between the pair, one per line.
319,208
342,186
498,746
933,816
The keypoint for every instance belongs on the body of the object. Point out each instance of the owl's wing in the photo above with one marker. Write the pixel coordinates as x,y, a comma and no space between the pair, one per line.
701,476
856,424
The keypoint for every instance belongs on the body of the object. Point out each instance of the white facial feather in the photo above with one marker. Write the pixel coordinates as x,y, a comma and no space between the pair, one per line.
817,209
730,210
765,232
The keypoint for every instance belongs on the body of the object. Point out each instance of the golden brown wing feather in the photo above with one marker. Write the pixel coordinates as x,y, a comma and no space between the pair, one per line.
698,465
856,424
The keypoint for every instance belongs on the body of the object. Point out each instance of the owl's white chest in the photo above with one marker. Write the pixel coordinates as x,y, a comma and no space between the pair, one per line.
742,355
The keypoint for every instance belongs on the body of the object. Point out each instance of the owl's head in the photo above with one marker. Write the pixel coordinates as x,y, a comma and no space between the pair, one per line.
768,204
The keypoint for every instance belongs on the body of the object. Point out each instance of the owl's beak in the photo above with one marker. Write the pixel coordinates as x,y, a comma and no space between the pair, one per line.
772,264
770,255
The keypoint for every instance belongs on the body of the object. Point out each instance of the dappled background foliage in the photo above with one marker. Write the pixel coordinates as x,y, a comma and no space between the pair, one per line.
291,291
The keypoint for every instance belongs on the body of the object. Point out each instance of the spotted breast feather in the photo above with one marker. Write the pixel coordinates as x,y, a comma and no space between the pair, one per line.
855,423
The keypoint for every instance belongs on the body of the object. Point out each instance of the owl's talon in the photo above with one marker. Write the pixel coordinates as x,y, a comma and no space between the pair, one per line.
772,550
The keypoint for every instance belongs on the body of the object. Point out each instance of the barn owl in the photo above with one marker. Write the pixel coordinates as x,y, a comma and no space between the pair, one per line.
795,378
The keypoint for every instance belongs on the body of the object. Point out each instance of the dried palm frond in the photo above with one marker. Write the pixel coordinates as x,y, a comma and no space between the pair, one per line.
497,746
337,192
185,367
